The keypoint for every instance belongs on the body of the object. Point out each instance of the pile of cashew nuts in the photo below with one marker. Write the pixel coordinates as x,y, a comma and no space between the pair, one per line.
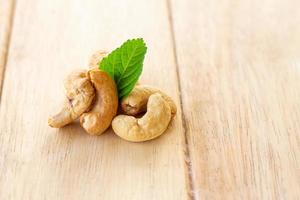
93,99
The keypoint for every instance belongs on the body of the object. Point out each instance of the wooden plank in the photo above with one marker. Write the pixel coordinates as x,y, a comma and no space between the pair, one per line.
239,67
6,16
50,39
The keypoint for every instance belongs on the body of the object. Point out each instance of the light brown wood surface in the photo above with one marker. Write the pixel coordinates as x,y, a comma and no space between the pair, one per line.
6,19
232,66
50,39
239,67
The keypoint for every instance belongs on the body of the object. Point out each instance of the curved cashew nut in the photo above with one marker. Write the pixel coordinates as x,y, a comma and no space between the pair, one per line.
150,126
137,100
96,58
80,94
105,107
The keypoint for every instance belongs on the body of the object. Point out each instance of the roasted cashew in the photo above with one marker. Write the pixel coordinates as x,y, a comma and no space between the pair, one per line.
96,58
150,126
105,107
80,94
136,102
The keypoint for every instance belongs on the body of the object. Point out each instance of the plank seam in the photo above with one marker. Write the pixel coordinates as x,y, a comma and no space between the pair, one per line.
7,38
190,174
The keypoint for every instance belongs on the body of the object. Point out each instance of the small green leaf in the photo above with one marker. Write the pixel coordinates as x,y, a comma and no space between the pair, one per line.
125,65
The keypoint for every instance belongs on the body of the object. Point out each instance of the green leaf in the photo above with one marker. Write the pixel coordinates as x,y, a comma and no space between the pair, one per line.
125,65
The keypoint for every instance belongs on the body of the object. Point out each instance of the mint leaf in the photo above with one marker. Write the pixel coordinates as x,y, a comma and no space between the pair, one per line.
125,65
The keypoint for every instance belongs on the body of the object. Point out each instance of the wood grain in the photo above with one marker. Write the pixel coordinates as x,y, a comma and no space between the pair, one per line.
239,67
6,18
50,39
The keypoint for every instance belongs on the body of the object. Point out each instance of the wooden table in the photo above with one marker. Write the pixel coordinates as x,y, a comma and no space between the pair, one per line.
233,68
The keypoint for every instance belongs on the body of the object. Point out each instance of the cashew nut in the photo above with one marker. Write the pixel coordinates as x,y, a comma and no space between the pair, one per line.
136,102
105,107
80,94
96,58
150,126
